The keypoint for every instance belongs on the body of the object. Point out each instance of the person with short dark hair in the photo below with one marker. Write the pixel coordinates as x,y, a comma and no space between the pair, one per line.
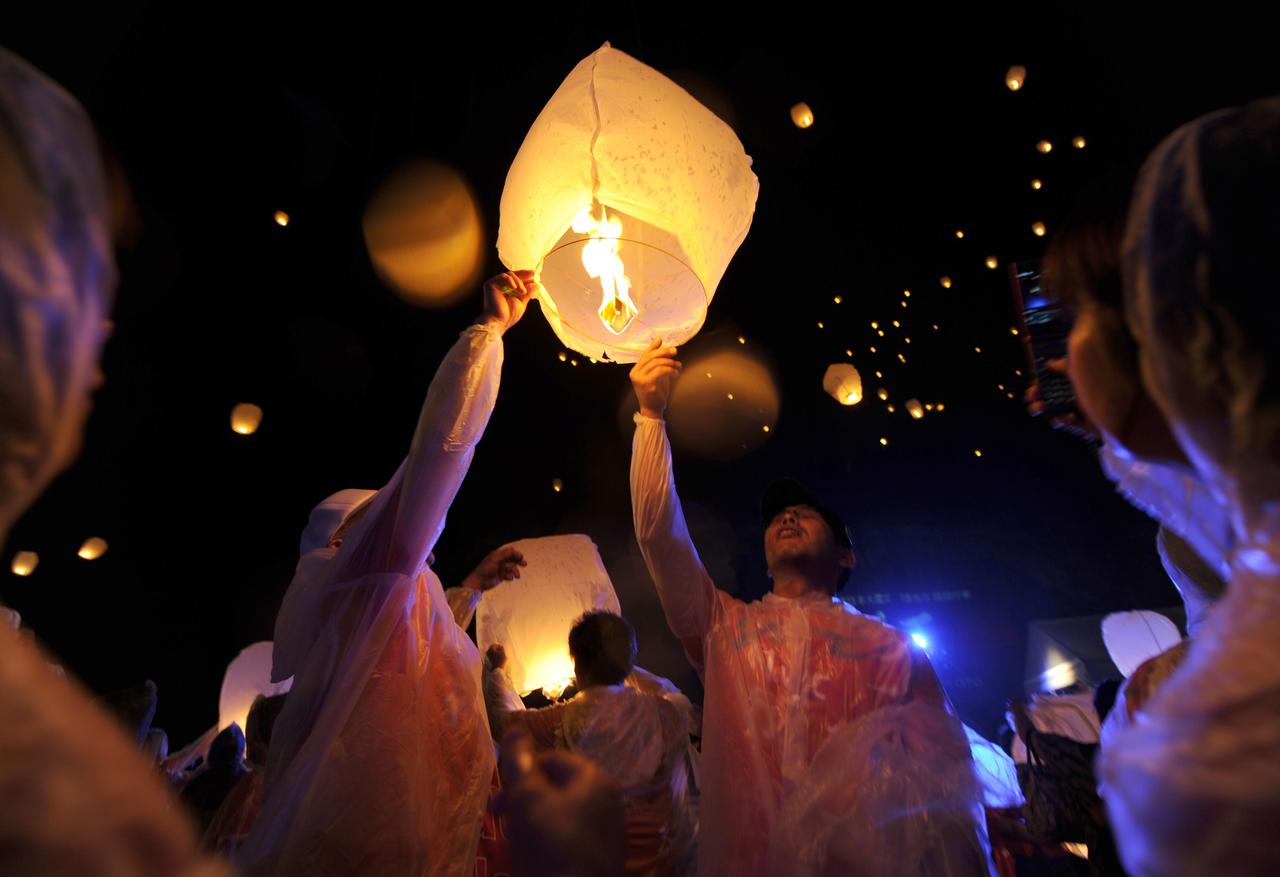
223,768
828,741
638,738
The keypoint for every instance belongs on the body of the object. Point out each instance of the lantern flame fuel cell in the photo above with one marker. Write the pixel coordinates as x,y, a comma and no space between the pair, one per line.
629,198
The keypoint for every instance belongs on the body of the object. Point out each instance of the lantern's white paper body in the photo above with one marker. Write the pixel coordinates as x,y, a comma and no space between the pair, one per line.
618,134
843,383
532,615
1133,637
248,675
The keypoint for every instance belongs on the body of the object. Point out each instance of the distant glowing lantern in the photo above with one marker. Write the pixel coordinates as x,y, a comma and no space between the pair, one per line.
977,350
282,218
848,353
564,357
872,349
880,332
907,340
935,327
946,282
742,339
897,325
838,299
557,485
992,262
801,115
1018,372
247,678
879,375
977,453
246,418
730,396
1044,146
843,383
630,198
1016,77
884,441
939,406
889,408
928,406
820,326
573,362
1013,330
902,359
1078,143
915,409
959,234
25,563
92,549
1037,185
906,293
1133,637
765,427
875,325
904,304
882,393
531,616
1038,229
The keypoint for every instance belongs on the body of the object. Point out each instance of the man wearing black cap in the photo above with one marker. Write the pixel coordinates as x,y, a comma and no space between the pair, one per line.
827,739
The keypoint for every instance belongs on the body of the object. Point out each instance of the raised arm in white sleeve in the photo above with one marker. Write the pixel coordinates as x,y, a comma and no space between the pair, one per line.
405,524
686,591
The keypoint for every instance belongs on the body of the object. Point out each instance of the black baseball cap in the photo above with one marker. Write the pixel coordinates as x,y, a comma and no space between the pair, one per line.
786,492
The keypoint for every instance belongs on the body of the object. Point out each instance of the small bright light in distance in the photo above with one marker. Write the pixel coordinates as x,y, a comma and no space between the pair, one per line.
920,640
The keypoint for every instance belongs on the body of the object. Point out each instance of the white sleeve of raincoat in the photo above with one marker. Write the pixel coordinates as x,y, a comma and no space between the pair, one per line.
686,591
463,603
402,528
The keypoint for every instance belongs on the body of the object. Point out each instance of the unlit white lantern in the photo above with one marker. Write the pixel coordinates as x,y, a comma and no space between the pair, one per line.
843,383
531,616
1133,637
248,676
629,198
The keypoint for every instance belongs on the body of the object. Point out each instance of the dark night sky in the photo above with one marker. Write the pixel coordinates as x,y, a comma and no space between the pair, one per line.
223,118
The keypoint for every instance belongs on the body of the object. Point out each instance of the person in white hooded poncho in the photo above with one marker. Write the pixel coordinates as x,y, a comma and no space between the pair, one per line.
829,745
1193,787
76,796
381,761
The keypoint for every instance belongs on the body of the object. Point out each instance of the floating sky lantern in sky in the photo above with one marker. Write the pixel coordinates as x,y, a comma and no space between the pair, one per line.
246,418
959,234
1078,143
557,485
801,115
531,616
1038,229
992,263
884,441
629,198
1044,146
1037,185
1016,77
946,282
915,409
882,393
25,563
92,549
423,232
282,218
843,383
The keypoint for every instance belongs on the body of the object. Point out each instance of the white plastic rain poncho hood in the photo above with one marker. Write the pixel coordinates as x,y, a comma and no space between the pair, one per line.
1193,786
57,275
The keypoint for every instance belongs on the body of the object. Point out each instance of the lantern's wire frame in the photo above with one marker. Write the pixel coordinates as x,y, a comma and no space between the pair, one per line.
604,356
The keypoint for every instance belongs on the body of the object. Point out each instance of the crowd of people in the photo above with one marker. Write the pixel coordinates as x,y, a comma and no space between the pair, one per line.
826,743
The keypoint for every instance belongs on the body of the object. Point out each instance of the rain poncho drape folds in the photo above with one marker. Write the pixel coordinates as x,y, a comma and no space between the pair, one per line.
1193,786
381,760
824,730
57,275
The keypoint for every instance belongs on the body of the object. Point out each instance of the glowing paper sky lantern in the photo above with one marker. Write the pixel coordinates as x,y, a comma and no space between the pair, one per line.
532,615
1133,637
1016,77
630,198
843,383
25,563
801,115
246,418
92,549
915,409
247,676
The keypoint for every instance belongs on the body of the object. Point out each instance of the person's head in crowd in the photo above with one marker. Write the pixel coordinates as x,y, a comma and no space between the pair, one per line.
227,749
1199,270
259,725
1082,271
1104,697
58,225
603,648
804,536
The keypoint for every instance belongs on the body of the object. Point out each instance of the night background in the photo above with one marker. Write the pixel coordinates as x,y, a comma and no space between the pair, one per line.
224,117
